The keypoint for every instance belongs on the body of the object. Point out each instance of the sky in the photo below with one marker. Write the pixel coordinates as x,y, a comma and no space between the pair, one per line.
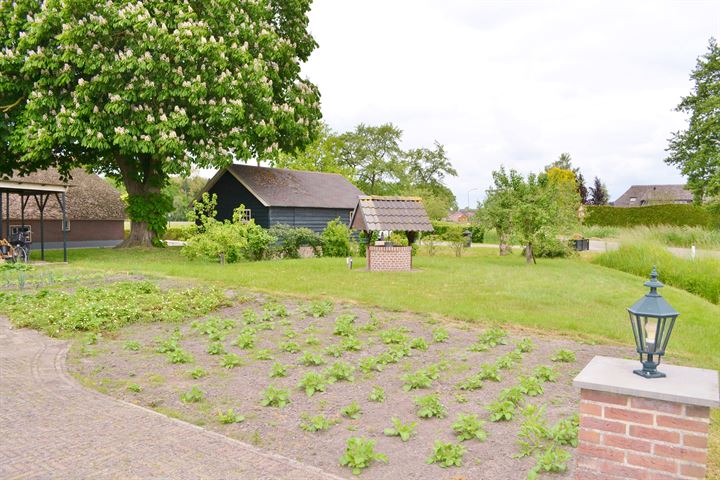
516,83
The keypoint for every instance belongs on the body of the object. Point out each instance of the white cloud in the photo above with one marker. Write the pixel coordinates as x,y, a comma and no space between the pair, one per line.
515,83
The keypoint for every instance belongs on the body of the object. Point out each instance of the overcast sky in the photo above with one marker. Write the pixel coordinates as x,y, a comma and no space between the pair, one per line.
516,83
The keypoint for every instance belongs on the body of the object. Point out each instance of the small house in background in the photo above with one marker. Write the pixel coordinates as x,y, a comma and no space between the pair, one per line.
95,211
395,214
643,195
277,195
461,216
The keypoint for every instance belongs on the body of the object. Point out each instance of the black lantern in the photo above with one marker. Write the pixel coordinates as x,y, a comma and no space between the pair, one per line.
652,319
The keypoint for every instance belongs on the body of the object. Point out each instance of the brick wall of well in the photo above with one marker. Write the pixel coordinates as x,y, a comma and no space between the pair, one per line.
627,437
389,259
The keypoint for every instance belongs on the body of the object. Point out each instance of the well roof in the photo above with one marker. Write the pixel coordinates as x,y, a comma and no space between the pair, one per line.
282,187
89,197
402,214
654,195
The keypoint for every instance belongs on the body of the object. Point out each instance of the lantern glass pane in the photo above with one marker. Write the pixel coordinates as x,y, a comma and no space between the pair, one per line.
650,325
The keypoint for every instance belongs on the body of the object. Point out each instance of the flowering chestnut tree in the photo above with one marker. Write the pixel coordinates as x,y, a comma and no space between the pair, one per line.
140,90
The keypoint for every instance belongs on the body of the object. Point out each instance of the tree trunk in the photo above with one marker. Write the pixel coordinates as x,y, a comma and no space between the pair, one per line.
140,236
529,255
505,248
140,233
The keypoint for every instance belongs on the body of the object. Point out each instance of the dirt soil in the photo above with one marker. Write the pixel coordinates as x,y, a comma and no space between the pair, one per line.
110,368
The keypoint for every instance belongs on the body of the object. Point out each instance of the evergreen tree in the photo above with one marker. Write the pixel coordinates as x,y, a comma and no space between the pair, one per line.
598,193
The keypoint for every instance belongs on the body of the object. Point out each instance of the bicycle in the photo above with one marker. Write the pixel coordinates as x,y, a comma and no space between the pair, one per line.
17,250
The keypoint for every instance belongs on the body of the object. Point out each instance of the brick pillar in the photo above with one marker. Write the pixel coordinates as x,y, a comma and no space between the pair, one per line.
637,428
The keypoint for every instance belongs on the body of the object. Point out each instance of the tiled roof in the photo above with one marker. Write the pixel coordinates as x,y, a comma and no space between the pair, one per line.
654,195
281,187
402,214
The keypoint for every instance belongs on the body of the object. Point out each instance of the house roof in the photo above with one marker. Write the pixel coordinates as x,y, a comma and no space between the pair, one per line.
89,197
654,195
282,187
402,214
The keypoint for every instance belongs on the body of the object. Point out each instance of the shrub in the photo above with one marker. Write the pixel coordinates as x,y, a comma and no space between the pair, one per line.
179,233
670,214
359,454
551,247
336,239
288,240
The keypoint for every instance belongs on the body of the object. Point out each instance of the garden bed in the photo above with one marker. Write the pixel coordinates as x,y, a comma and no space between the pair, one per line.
259,335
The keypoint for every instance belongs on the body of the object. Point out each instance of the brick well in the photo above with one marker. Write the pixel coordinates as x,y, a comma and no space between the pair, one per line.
389,259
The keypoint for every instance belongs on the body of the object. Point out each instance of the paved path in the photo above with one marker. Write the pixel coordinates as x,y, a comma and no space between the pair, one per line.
51,427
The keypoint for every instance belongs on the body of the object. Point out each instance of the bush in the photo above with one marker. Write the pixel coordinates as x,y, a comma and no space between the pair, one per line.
477,233
671,214
180,233
552,248
365,239
336,239
290,239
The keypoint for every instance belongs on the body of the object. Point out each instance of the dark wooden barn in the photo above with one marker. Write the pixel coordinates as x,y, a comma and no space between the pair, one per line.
278,195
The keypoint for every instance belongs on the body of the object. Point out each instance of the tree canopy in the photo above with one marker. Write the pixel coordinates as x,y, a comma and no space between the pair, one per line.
141,91
696,150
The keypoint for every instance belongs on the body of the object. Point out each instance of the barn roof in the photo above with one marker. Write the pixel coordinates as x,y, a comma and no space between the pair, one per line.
654,195
282,187
89,197
402,214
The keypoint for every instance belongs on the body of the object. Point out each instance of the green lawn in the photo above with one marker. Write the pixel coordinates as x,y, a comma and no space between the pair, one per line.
566,296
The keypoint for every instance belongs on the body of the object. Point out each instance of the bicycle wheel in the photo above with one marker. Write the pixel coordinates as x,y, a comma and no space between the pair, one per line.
20,254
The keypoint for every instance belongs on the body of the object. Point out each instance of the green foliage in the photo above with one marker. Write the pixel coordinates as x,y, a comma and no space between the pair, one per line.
489,372
312,383
180,356
150,208
231,360
317,309
132,345
501,410
312,340
525,345
394,336
194,395
531,386
278,370
505,362
469,427
197,372
352,411
246,340
418,343
275,309
563,355
230,416
135,388
429,406
216,348
512,394
288,240
440,335
565,431
493,337
336,239
290,347
402,430
310,359
377,394
473,382
340,371
369,364
334,351
552,460
263,354
345,325
359,454
351,344
669,214
545,373
316,423
447,454
107,308
275,397
213,327
418,379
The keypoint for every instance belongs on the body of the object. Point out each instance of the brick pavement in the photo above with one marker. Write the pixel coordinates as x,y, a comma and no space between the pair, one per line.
51,427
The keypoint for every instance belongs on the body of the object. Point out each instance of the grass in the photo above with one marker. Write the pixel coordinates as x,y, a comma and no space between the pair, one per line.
561,296
668,235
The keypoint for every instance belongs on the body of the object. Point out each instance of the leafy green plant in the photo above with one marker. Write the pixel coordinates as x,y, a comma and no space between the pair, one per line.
533,434
359,454
473,382
562,355
310,359
194,395
377,394
565,432
440,335
552,460
312,383
312,340
230,416
479,347
489,372
198,372
399,429
418,343
493,337
447,454
170,344
231,360
469,427
531,386
340,371
512,394
275,309
275,397
395,353
429,406
345,325
505,362
369,364
501,410
334,351
394,336
416,380
216,348
278,370
352,411
250,316
351,344
180,356
317,309
263,354
290,347
290,333
316,423
134,387
545,373
246,340
525,345
132,345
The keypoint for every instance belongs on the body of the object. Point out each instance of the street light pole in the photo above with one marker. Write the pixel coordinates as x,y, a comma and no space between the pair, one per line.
471,190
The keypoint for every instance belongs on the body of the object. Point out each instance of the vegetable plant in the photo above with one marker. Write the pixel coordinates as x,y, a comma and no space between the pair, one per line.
473,382
562,355
565,432
278,370
132,345
525,345
512,394
275,309
180,356
545,373
316,423
134,387
368,364
493,337
231,360
531,386
345,325
501,410
317,309
246,340
505,362
250,316
275,397
198,372
359,454
552,460
340,371
230,416
377,394
312,383
399,429
418,379
429,406
447,454
440,335
312,340
290,347
418,343
193,395
393,336
352,411
263,354
469,427
351,344
334,351
216,348
310,359
489,372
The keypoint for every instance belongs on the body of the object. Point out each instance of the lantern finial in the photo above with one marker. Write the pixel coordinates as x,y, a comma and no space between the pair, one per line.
654,283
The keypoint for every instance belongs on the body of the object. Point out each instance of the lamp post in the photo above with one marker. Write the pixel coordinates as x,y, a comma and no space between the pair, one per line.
471,190
652,319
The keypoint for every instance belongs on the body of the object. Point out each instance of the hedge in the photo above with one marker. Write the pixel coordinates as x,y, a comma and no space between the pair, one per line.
670,214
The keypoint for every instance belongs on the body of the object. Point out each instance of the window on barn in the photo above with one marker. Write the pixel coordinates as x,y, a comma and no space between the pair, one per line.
246,215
